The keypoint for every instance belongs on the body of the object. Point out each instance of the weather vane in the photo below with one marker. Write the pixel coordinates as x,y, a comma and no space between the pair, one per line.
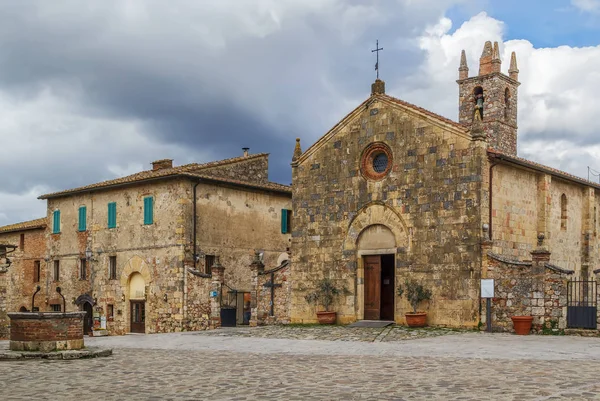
377,49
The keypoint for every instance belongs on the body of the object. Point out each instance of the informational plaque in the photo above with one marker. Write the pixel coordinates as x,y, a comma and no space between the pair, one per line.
487,288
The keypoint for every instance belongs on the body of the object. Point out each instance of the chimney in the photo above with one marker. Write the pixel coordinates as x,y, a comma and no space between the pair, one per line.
245,151
162,164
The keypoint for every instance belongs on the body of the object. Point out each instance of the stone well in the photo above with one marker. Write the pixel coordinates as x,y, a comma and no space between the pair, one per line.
46,331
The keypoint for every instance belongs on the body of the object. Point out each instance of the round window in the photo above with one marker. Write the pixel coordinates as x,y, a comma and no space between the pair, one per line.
380,162
376,161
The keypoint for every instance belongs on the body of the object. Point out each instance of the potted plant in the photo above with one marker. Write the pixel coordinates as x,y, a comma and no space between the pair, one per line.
415,294
324,295
522,324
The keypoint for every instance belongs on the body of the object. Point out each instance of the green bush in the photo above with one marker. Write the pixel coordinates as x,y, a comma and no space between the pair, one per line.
324,294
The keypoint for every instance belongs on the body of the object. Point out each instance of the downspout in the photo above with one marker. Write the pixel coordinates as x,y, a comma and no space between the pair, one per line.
490,193
195,271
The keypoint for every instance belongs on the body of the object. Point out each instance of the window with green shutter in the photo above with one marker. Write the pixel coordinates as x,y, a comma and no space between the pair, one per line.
56,222
286,216
148,210
82,218
112,215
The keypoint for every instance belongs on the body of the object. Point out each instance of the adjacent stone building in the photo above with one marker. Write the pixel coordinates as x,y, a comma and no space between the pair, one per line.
24,245
395,192
160,250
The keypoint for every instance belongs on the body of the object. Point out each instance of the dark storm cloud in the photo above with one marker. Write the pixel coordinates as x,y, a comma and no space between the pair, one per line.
191,80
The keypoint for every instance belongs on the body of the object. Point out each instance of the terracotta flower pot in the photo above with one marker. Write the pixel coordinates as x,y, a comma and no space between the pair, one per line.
326,317
416,319
522,324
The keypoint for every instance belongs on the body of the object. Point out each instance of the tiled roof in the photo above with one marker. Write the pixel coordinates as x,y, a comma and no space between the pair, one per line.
267,186
152,175
540,167
26,225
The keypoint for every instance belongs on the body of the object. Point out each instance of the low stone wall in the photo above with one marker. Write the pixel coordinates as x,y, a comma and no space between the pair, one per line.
46,331
527,288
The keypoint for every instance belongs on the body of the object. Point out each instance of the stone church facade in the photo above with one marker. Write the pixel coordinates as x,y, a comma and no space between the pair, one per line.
395,192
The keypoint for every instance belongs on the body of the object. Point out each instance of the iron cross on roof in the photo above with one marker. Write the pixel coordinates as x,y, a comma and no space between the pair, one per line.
377,49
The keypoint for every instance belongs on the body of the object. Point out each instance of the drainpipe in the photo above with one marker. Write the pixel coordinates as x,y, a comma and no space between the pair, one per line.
490,193
194,231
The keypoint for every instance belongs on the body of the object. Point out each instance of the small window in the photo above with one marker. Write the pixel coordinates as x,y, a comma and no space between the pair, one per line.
57,270
563,212
110,312
55,307
22,242
56,222
286,221
82,269
209,261
82,218
148,210
506,102
112,215
36,271
112,267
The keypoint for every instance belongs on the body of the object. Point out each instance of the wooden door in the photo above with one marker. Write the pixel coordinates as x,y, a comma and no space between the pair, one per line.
372,287
88,319
138,316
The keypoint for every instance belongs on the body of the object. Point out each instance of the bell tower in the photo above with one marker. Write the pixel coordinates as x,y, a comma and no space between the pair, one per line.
493,96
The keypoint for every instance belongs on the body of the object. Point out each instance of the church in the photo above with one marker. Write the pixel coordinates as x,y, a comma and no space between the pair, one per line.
395,192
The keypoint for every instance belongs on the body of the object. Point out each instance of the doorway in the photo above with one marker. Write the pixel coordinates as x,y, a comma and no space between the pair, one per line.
138,316
379,287
88,319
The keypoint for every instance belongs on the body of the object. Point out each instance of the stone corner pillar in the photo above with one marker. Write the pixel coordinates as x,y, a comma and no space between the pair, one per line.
218,279
256,269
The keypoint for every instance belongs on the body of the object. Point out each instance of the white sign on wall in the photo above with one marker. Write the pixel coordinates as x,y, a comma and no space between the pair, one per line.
487,288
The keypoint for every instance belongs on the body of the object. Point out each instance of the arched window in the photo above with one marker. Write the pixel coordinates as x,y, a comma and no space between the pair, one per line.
506,102
563,212
478,99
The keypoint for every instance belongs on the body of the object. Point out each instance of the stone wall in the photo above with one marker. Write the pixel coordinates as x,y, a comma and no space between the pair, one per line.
527,288
430,201
526,203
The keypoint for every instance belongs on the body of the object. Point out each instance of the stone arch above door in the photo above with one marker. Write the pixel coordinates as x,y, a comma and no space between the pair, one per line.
377,214
135,265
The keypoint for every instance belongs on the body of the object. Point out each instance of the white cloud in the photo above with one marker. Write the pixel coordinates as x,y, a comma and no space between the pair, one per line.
587,5
558,96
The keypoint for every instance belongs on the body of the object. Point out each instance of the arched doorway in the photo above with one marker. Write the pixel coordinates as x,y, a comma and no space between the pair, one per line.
86,303
137,303
376,245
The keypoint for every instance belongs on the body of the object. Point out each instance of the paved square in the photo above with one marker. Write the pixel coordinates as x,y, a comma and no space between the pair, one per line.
280,364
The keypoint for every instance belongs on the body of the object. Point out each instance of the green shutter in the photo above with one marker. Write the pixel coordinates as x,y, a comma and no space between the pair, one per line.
82,218
284,221
148,212
56,222
112,215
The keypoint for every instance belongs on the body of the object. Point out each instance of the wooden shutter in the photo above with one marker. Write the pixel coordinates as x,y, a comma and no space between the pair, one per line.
56,222
148,212
284,221
82,218
112,215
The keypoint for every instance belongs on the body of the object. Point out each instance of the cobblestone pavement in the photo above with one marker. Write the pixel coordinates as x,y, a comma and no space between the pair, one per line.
197,366
333,333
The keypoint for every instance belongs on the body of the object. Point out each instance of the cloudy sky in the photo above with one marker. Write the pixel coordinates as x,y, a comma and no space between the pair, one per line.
91,90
